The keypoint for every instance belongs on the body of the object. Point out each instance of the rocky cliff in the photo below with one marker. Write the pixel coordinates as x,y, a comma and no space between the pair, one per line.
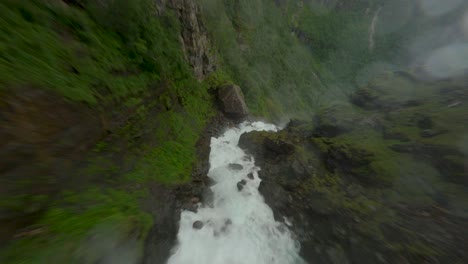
193,35
380,180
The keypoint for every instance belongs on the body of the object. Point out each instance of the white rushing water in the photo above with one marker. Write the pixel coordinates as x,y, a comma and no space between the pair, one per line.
239,228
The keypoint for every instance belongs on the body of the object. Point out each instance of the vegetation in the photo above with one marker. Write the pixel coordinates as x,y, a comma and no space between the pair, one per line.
288,58
400,142
382,170
106,55
256,48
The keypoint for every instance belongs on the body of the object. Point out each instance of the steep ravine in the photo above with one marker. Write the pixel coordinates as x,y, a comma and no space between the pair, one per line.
237,226
120,134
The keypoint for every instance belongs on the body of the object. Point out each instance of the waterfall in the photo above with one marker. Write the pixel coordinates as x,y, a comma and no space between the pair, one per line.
240,227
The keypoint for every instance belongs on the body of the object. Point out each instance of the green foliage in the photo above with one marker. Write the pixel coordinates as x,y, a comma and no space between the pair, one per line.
108,54
172,159
290,59
62,49
275,71
70,225
217,79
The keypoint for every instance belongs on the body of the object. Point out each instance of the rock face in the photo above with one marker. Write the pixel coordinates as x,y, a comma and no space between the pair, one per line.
194,36
197,225
241,184
265,146
333,179
235,166
232,101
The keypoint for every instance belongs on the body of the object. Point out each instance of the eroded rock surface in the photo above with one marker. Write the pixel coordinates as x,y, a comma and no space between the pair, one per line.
193,36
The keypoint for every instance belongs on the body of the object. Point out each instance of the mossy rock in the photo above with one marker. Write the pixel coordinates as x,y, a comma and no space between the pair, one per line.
366,98
347,159
267,145
335,120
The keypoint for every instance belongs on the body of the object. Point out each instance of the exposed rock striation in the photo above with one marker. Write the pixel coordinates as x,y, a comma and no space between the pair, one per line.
193,35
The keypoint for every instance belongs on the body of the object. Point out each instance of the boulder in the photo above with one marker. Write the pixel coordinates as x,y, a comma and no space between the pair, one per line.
197,225
235,166
241,184
250,176
232,101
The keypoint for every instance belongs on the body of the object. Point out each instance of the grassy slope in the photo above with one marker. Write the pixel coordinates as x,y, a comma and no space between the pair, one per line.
257,50
290,59
98,59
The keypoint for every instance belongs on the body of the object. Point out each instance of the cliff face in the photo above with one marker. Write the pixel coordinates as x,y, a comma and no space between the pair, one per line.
368,182
193,35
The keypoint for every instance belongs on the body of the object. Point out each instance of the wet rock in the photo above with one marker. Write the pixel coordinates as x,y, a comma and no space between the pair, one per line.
195,200
297,167
241,184
190,207
250,176
337,256
265,145
319,204
278,146
235,166
247,158
275,196
226,225
253,142
232,101
197,225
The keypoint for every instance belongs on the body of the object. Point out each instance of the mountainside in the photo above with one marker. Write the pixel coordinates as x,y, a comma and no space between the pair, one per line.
100,106
107,109
374,181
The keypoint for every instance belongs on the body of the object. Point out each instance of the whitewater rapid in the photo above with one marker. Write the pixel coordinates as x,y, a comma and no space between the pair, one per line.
239,228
